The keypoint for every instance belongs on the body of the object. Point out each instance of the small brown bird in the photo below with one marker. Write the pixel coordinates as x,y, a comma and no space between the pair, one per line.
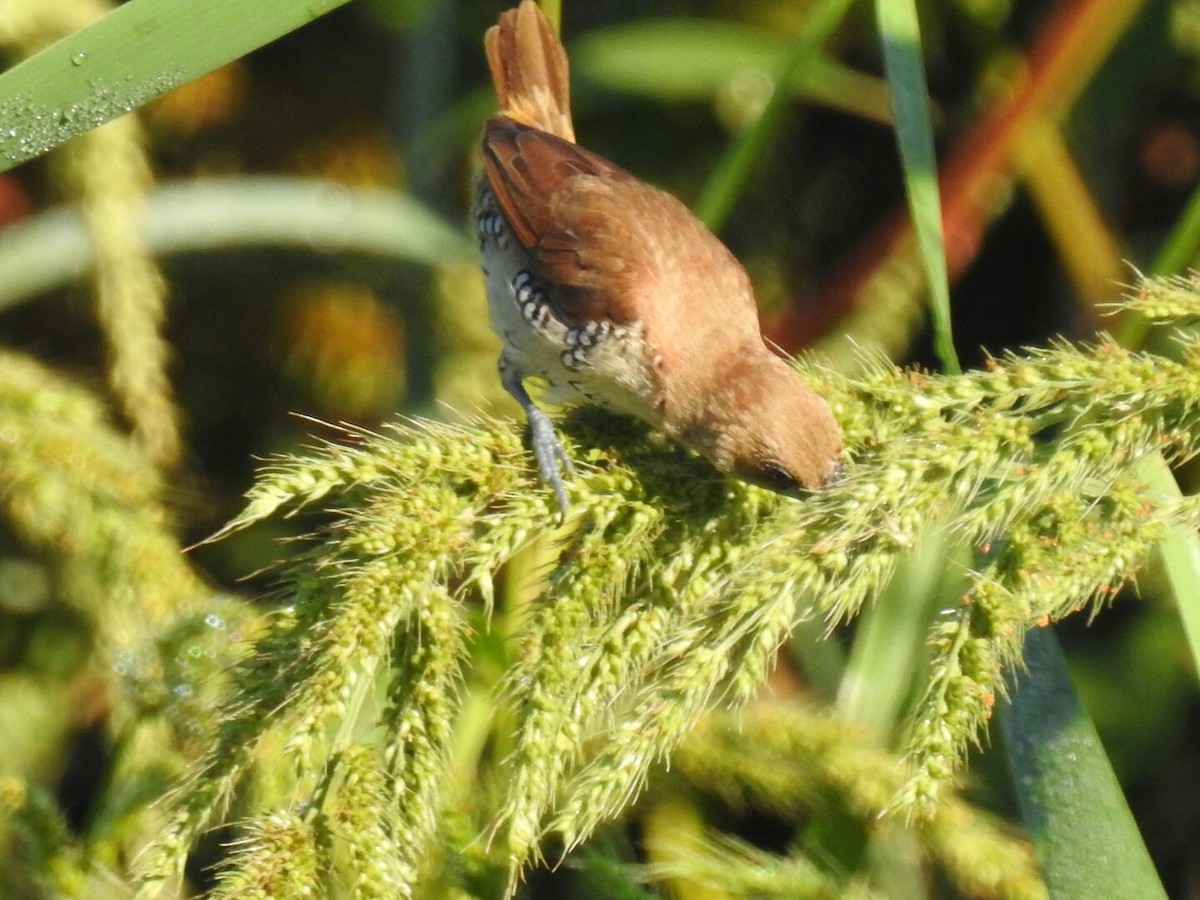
614,294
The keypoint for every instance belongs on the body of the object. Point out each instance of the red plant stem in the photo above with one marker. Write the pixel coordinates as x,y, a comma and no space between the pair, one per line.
1071,44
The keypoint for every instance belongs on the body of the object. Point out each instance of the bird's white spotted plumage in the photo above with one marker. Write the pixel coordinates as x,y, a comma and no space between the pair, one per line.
593,361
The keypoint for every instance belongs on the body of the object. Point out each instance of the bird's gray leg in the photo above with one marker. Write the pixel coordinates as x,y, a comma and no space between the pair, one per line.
547,449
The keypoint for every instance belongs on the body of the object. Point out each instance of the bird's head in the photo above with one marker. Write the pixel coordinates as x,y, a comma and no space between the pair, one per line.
768,427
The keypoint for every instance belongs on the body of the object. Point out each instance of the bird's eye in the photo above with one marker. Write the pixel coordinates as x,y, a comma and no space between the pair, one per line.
775,477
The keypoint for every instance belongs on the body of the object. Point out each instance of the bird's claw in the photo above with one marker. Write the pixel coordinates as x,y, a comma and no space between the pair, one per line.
551,458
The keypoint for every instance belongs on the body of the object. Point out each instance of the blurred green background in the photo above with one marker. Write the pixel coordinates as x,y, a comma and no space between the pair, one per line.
1068,131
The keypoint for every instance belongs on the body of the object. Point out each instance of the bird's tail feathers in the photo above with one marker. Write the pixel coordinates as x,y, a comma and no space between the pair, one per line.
529,69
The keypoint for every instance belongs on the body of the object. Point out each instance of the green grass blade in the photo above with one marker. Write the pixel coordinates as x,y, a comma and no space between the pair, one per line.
890,643
1180,552
1181,247
135,53
674,60
727,180
553,12
1085,836
1177,254
53,248
901,37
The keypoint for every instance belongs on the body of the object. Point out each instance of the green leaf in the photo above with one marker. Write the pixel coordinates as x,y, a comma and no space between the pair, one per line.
1083,831
891,642
1179,251
729,177
1177,254
693,59
675,59
53,248
135,53
1180,551
900,34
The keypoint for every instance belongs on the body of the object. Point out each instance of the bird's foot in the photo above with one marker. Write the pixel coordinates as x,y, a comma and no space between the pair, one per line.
551,458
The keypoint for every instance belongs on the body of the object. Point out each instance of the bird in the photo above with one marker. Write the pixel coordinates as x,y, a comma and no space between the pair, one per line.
612,293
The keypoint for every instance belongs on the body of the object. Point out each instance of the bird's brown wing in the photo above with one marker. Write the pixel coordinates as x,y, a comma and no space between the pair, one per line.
617,249
571,209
